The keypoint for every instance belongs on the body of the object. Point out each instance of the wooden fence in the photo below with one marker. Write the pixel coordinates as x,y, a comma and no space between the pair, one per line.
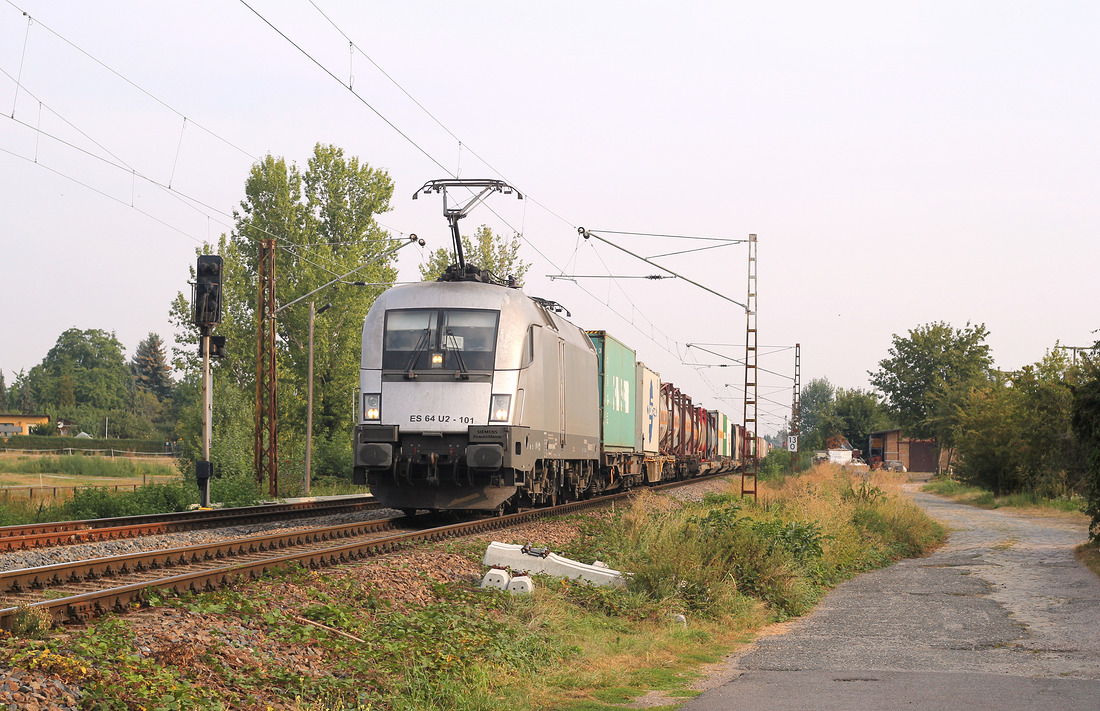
28,493
81,450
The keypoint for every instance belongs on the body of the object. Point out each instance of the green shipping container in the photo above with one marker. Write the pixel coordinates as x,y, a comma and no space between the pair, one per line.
617,374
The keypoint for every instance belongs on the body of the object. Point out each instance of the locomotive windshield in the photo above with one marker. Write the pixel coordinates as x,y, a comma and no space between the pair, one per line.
440,339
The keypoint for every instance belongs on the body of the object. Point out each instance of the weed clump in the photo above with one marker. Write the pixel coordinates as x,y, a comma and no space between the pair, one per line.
804,535
31,622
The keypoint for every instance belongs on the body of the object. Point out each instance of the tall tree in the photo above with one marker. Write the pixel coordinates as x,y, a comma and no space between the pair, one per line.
816,413
3,393
1014,432
323,224
150,367
929,373
96,366
26,402
487,250
1086,428
66,397
858,413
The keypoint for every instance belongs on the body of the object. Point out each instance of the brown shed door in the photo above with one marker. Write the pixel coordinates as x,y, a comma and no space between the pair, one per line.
922,456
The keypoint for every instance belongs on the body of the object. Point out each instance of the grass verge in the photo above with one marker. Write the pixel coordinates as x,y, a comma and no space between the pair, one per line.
413,631
102,502
78,465
976,496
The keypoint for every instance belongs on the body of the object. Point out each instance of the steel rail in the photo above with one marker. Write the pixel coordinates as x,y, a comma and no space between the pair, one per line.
69,532
85,606
41,577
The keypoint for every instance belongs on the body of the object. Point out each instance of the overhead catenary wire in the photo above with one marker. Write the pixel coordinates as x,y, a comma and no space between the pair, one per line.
126,79
106,195
690,251
354,93
590,233
22,58
461,143
672,346
736,361
728,240
651,277
120,164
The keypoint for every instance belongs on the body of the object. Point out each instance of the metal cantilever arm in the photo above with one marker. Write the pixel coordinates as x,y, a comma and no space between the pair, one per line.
412,240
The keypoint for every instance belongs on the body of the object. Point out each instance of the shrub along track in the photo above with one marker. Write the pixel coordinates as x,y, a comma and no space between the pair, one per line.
79,591
103,529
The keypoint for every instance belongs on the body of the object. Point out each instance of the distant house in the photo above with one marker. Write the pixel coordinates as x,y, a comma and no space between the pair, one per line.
916,455
66,428
20,424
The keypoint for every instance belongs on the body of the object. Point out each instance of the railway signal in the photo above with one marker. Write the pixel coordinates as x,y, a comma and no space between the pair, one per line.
208,291
207,310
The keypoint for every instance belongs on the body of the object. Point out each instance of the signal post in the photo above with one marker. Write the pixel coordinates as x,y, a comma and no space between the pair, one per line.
207,308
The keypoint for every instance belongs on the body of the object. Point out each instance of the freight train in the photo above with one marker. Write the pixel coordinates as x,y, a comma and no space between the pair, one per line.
476,396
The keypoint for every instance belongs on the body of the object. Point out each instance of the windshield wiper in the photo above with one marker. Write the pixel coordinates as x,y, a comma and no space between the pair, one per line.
420,347
463,373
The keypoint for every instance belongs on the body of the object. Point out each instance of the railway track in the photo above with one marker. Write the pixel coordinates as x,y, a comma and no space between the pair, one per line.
102,529
81,590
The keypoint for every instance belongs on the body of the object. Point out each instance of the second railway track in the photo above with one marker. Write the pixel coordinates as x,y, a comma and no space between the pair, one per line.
80,590
69,532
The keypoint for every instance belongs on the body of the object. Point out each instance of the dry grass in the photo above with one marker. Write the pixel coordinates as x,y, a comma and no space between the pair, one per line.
1089,555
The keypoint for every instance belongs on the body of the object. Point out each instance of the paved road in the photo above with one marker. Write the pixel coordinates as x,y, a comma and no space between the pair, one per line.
1002,617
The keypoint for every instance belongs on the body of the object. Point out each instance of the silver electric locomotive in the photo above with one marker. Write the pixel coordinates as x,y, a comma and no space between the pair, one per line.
475,396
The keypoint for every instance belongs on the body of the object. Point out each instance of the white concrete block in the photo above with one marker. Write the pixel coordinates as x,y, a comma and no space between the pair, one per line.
496,578
519,558
521,585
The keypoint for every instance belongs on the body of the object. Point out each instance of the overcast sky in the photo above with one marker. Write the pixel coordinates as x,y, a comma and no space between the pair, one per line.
901,163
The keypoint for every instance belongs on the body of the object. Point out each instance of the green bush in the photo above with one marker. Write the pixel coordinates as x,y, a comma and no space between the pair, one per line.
233,490
148,499
774,466
147,446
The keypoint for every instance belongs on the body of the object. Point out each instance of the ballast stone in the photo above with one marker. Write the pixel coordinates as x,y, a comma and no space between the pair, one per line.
523,558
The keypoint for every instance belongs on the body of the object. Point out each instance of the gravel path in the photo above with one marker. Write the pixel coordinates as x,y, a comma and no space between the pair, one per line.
1001,617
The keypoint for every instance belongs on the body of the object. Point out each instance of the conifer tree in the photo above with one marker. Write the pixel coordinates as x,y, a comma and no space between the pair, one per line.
150,367
3,393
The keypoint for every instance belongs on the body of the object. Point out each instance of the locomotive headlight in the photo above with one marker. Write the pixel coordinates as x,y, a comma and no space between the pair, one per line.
437,360
498,410
372,406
